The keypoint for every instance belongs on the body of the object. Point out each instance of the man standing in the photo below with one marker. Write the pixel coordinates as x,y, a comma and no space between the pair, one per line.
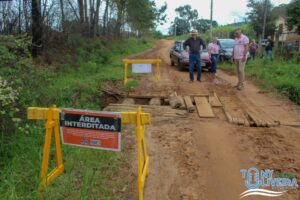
239,52
269,48
195,45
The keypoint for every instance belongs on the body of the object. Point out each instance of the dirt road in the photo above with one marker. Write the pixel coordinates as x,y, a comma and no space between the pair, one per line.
194,158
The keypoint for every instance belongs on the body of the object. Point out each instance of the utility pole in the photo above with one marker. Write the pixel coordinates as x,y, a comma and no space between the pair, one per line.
264,19
211,18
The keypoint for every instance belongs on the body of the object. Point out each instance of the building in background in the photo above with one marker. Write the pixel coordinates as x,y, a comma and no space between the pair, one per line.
284,37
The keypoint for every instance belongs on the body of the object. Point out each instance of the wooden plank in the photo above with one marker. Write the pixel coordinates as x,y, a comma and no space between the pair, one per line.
189,105
174,101
241,121
199,95
247,123
293,124
155,102
254,118
228,116
154,110
203,107
183,106
128,101
216,101
235,120
145,96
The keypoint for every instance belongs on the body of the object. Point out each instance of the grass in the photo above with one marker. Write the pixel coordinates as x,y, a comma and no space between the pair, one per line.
278,75
89,174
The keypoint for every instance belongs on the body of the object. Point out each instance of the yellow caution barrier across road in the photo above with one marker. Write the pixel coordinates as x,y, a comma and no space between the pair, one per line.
52,127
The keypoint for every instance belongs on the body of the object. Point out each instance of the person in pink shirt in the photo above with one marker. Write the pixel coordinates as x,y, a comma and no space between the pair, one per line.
213,52
239,55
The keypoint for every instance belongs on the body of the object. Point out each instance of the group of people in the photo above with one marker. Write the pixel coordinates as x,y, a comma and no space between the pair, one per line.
253,49
241,48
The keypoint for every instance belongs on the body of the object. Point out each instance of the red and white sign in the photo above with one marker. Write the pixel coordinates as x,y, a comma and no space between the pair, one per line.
91,129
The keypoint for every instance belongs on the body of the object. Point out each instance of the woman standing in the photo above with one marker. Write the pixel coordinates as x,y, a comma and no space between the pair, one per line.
253,46
213,52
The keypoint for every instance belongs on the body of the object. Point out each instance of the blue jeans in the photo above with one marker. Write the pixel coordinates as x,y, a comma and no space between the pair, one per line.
195,59
252,55
214,62
269,54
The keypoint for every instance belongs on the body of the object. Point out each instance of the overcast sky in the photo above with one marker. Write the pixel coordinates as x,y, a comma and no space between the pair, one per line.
225,11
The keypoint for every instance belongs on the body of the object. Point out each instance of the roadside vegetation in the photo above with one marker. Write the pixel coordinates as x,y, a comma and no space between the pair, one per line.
279,75
75,81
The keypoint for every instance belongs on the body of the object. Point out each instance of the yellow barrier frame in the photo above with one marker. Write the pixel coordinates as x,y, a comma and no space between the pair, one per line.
141,61
138,118
51,126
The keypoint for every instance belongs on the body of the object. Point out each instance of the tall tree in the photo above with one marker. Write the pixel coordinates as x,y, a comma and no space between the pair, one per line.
81,13
37,28
62,15
105,17
121,8
293,15
256,16
187,16
94,18
203,25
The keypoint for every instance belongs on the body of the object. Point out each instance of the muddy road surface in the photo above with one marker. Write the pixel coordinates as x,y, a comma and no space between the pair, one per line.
193,158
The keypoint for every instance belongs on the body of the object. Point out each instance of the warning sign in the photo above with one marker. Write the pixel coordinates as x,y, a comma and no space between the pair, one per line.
141,68
91,129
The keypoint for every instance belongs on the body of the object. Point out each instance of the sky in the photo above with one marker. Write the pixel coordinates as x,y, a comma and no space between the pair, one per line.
225,11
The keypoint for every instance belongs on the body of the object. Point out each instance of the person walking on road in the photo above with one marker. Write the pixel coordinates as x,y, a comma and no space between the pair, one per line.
240,51
253,47
269,48
194,45
213,52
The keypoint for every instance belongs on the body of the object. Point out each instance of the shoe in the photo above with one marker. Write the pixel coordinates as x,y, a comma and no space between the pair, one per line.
199,80
240,87
190,81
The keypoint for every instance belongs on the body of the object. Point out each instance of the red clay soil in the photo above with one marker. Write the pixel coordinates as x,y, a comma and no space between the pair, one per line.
194,158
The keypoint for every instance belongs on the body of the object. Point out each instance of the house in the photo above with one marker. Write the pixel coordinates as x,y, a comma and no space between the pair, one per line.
284,36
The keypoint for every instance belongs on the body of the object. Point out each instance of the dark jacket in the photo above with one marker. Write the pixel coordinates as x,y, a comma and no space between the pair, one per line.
270,45
194,44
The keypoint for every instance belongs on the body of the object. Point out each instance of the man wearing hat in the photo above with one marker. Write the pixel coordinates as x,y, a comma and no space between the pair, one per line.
195,46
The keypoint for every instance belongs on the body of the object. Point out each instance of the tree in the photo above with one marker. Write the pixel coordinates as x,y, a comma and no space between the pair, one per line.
293,15
179,27
202,25
187,15
161,16
256,16
62,15
37,28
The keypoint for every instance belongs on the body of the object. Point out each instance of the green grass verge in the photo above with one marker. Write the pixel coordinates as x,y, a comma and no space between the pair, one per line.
89,174
278,75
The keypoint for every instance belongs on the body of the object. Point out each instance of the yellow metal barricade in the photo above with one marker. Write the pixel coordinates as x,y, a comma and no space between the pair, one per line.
52,129
139,119
155,62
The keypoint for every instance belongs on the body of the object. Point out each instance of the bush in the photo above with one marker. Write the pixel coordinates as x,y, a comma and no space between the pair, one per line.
66,85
